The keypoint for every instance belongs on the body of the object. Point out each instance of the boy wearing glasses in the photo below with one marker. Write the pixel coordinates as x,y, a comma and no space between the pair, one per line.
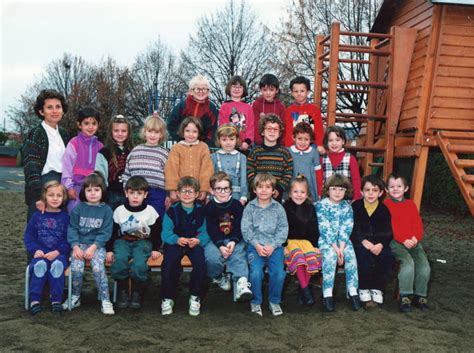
271,157
223,217
371,236
196,104
184,233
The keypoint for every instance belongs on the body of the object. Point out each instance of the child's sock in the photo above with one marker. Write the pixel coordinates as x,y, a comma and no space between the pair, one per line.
301,275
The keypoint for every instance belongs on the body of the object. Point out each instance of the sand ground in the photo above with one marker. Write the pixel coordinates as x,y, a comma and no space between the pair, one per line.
227,326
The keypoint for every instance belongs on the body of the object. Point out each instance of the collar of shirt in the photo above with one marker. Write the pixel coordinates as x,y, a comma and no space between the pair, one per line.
296,150
189,144
233,152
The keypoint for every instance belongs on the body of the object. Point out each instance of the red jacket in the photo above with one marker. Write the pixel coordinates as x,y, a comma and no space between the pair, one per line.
307,112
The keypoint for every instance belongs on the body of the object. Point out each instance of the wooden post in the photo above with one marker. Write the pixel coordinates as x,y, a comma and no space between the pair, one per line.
333,72
371,100
318,75
419,171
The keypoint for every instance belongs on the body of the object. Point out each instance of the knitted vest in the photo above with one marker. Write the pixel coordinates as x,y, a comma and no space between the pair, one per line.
186,225
341,169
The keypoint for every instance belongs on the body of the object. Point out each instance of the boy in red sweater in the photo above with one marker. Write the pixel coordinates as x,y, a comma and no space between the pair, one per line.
406,247
302,111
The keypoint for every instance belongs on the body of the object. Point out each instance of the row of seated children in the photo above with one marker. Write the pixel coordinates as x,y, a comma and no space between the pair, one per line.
265,228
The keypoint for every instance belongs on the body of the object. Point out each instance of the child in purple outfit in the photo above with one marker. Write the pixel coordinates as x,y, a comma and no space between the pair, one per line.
80,155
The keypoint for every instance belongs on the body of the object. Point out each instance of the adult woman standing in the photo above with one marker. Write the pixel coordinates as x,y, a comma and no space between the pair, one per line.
43,148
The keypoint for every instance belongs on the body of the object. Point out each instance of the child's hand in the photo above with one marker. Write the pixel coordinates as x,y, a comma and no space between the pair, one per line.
408,243
183,241
340,258
321,150
155,255
173,196
243,202
193,242
269,250
275,193
286,252
231,247
168,202
224,251
40,206
377,249
51,255
89,253
415,241
244,146
77,253
71,194
38,253
367,244
260,250
109,257
202,195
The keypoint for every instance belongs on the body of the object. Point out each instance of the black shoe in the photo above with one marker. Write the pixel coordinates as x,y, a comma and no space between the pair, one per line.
355,302
300,297
405,304
328,304
35,309
57,308
307,296
136,301
122,298
421,302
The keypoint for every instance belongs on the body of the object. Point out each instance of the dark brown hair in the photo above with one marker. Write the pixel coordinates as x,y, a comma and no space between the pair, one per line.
48,94
338,180
236,80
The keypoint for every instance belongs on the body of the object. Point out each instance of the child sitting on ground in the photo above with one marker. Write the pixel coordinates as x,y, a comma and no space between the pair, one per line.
46,242
371,236
301,254
226,248
265,229
407,226
136,237
335,226
227,159
184,233
271,157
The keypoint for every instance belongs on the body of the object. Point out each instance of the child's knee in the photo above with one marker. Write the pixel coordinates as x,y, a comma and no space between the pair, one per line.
57,269
40,268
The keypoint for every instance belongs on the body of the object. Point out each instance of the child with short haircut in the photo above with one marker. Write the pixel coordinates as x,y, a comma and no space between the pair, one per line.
335,226
184,233
196,104
148,160
271,157
112,158
237,112
407,226
189,157
89,230
227,159
267,103
265,229
302,111
306,159
226,248
46,243
80,155
371,236
302,257
136,237
339,161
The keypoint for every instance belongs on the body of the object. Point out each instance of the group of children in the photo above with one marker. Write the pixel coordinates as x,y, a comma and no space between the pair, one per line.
308,208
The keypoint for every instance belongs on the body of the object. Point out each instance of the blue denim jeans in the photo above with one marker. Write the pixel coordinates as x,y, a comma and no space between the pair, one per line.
236,263
276,274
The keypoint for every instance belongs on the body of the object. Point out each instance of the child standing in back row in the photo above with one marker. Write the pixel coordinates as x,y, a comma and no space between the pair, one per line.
407,226
148,161
230,161
302,111
237,112
80,155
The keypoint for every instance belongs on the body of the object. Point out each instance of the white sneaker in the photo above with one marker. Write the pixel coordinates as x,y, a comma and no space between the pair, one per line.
75,302
242,291
194,305
364,295
256,308
377,296
223,282
107,307
167,306
275,309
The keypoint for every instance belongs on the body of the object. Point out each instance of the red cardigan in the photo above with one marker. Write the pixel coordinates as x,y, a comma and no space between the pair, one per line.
406,220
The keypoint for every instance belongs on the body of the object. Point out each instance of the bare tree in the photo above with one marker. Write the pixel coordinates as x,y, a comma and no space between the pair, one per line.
229,42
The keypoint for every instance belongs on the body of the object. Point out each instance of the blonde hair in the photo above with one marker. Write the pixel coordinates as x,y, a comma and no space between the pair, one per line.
198,80
263,178
228,130
53,184
301,179
155,123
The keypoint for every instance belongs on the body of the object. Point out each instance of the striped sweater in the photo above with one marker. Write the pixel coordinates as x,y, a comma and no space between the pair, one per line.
275,160
147,162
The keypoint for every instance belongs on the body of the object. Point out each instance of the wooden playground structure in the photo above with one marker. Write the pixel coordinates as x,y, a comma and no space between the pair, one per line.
420,89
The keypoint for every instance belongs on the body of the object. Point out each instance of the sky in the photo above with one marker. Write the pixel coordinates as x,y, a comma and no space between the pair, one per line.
35,32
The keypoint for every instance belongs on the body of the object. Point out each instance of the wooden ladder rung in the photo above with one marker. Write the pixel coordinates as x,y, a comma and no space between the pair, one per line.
468,178
374,164
366,116
460,148
464,163
366,148
361,83
457,134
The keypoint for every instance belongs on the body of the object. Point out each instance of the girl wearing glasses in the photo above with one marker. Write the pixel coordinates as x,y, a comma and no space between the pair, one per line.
196,104
335,219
